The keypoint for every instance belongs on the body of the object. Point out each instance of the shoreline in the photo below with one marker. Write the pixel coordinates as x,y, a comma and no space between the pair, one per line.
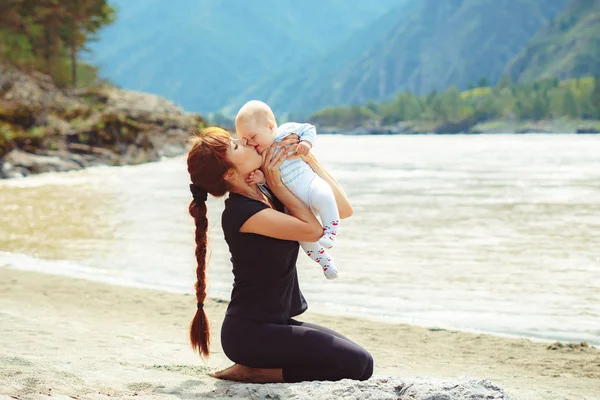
507,127
52,129
390,320
67,336
29,164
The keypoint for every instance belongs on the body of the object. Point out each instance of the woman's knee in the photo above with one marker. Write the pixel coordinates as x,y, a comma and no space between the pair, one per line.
368,371
362,369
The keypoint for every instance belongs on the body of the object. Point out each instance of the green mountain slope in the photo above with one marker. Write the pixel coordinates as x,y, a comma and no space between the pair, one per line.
201,53
424,46
567,47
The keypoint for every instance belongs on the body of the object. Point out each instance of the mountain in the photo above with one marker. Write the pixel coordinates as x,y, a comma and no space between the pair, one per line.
202,53
567,47
420,46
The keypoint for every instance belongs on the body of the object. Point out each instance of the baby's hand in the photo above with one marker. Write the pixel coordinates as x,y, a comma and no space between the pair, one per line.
256,178
303,148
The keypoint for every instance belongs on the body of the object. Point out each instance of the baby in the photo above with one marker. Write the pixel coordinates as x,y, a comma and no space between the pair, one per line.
256,123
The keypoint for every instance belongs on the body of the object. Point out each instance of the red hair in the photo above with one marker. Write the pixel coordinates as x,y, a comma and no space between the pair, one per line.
207,164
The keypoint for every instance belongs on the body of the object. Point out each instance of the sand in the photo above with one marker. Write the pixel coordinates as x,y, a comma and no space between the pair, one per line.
64,337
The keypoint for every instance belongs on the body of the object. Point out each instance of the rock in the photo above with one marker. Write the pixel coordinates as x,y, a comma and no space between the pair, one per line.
536,127
39,164
366,130
533,130
58,126
455,127
82,160
137,103
33,88
376,388
569,347
59,129
136,155
401,128
149,108
9,171
141,151
587,130
171,150
94,155
171,143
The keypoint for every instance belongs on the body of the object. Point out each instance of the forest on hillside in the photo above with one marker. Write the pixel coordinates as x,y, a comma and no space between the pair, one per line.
531,101
49,35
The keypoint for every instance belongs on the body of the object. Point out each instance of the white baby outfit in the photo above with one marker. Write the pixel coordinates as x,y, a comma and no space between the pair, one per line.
313,191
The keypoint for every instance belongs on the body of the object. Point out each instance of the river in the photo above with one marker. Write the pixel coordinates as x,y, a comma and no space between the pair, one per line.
492,233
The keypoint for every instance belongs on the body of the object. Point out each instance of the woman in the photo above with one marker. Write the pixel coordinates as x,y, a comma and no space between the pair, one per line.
259,333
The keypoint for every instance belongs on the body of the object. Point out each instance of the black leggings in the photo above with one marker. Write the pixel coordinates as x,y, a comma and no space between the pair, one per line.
305,352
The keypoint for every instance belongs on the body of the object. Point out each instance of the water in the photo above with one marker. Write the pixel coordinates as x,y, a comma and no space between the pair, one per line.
495,233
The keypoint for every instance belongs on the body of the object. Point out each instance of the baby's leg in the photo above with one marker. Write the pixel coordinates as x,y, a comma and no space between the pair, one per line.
320,256
322,200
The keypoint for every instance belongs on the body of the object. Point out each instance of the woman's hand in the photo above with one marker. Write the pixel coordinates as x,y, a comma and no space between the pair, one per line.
271,165
291,142
301,224
291,139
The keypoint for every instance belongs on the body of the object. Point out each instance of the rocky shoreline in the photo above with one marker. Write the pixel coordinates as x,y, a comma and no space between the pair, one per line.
466,127
45,129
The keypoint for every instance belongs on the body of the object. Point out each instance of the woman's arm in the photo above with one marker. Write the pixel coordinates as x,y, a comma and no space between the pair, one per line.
278,225
343,203
301,225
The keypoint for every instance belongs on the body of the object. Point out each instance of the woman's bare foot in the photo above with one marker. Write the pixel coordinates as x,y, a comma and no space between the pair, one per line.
241,373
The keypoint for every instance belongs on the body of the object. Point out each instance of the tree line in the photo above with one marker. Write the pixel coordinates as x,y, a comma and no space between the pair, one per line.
532,101
49,35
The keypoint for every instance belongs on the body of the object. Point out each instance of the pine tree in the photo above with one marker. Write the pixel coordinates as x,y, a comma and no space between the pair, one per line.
44,34
83,20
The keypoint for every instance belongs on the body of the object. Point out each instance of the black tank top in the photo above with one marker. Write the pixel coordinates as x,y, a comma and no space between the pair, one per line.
265,286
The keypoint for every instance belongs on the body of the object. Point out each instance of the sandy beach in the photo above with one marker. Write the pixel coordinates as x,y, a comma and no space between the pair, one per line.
67,337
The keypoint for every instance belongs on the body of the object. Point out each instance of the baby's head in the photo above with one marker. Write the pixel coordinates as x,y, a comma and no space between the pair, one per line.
256,123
